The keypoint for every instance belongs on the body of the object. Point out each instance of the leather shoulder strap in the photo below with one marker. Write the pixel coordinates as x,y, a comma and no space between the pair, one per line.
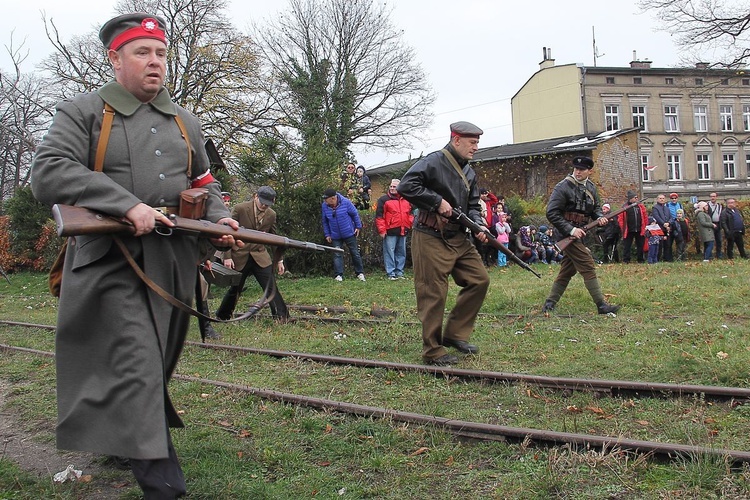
458,168
184,133
101,146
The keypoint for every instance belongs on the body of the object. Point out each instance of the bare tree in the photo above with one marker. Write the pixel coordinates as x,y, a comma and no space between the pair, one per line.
707,25
25,112
212,69
342,75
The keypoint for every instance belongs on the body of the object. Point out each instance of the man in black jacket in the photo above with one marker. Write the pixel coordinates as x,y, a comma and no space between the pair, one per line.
574,201
440,248
734,228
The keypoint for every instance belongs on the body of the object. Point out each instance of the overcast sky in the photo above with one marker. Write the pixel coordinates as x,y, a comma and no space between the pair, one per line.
476,53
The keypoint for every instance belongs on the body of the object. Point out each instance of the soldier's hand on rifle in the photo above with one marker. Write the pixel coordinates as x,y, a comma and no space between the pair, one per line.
144,219
578,233
445,209
227,241
482,237
603,221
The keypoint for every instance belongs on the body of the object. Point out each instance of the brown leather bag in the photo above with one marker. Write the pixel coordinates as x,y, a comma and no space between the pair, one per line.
193,203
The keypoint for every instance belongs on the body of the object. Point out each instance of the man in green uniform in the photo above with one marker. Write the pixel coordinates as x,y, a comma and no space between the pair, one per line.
117,341
440,248
573,203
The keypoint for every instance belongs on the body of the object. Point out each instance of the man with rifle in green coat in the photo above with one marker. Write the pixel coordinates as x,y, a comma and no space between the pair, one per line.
575,202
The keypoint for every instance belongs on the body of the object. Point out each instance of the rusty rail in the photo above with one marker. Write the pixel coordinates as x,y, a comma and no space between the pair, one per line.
614,387
475,430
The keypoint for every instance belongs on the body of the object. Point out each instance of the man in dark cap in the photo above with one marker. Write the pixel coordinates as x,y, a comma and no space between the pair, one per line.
573,203
117,342
254,258
441,248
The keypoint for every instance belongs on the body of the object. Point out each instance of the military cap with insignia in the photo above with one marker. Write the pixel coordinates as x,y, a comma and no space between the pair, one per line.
128,27
465,129
583,163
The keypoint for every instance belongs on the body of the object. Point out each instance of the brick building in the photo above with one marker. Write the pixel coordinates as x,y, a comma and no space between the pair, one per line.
694,122
533,168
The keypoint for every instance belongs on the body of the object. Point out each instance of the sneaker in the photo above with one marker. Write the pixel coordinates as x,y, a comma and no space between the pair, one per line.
361,277
392,278
339,278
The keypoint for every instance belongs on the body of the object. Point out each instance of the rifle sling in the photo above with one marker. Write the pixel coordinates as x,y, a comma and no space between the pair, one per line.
267,296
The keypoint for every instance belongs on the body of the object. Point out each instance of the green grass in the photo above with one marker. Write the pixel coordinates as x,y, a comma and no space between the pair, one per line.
684,323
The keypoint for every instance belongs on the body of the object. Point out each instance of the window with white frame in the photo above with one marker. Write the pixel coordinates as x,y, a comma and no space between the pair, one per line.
730,172
674,167
612,116
700,115
747,162
746,117
645,167
704,166
725,117
639,117
671,119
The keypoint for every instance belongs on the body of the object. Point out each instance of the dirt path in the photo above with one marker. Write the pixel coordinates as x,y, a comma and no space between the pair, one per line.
31,454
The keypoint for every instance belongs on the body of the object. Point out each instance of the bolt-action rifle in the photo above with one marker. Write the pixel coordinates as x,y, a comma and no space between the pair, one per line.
464,220
563,243
73,221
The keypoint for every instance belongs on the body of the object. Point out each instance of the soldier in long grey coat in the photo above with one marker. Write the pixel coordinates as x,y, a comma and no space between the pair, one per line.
117,341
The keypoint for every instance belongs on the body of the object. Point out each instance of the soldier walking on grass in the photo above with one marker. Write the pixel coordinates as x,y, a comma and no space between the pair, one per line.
573,203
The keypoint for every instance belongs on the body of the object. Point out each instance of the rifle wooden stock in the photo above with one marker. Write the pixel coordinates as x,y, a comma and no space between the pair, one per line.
563,243
74,221
463,219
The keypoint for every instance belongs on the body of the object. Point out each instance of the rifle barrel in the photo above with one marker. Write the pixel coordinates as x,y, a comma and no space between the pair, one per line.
463,219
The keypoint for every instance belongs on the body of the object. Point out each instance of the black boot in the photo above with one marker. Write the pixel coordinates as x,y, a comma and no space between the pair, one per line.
604,308
548,306
207,331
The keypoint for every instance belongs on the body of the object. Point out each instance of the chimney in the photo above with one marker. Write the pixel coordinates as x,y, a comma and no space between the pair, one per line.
636,64
547,61
701,65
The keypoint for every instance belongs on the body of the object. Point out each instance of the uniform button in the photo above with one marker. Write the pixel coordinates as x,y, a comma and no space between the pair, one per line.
162,176
157,153
153,130
161,201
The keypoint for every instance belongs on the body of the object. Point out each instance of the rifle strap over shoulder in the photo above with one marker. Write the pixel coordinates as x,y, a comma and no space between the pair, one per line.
458,168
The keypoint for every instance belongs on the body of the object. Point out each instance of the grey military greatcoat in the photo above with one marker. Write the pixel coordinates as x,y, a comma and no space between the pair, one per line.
118,342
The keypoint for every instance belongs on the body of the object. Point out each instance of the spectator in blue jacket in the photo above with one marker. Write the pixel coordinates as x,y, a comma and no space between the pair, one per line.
341,225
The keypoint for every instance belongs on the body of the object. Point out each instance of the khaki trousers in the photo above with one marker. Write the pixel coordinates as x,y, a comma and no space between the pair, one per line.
434,260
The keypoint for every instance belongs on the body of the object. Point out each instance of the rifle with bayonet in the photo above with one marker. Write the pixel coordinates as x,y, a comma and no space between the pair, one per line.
74,221
464,220
563,243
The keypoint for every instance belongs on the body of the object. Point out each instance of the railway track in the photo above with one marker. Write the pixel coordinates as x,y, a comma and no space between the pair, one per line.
477,430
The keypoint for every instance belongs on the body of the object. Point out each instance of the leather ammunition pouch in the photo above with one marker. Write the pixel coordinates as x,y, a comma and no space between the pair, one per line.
577,219
439,224
193,203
